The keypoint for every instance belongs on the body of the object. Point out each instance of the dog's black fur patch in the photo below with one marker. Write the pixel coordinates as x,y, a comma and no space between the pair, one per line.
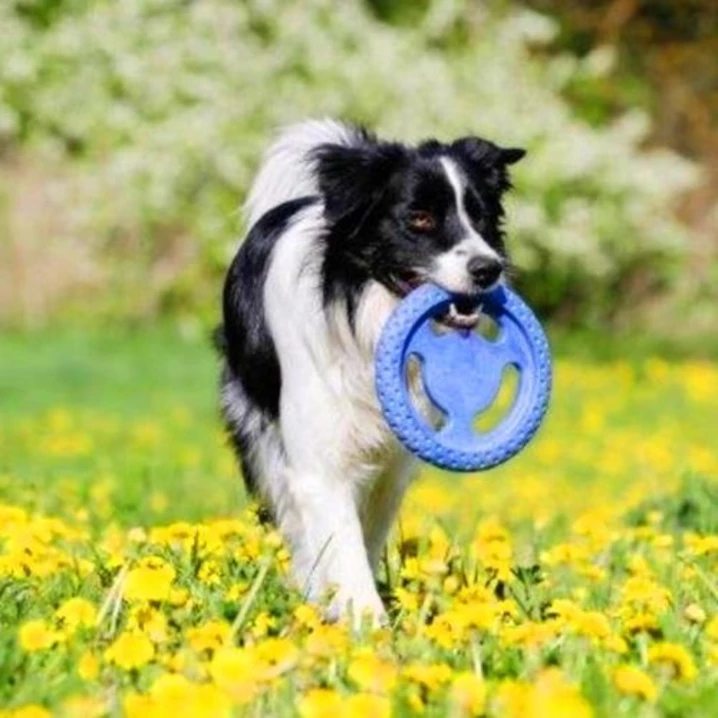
244,336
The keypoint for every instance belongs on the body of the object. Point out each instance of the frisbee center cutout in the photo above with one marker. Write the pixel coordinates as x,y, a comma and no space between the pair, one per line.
488,420
432,415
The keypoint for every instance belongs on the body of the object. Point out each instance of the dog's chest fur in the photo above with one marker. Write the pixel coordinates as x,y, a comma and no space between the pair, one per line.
327,360
373,446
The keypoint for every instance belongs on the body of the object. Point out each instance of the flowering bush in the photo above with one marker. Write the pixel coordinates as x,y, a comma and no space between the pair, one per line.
133,583
154,112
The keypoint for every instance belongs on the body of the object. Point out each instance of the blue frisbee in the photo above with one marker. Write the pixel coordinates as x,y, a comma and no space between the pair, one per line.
461,374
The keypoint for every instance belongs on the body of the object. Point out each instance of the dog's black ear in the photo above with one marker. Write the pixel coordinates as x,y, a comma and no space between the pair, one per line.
486,163
511,155
352,179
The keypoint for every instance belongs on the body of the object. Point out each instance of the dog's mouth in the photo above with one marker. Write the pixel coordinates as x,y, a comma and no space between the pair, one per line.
463,312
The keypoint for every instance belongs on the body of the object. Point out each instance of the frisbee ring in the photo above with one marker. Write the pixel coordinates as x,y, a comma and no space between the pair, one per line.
461,374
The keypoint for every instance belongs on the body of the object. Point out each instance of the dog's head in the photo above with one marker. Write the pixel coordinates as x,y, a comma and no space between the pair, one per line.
411,215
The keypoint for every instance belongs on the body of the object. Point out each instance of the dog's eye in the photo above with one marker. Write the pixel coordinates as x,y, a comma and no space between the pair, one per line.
421,221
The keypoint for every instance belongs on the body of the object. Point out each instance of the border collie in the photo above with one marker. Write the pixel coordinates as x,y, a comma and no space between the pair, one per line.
342,226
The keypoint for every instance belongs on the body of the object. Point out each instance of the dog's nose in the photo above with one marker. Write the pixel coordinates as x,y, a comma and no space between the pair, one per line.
485,271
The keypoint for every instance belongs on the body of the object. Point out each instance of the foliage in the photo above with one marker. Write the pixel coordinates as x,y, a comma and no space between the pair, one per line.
134,579
149,117
670,45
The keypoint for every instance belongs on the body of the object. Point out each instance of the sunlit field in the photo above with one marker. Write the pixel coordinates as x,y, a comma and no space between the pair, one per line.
577,580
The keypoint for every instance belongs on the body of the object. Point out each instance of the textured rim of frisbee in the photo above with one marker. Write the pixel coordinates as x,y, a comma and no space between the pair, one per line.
514,317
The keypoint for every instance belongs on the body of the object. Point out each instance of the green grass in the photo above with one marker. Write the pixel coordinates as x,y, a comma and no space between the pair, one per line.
116,430
122,370
133,379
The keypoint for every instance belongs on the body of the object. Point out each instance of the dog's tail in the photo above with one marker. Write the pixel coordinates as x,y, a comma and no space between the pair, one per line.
286,171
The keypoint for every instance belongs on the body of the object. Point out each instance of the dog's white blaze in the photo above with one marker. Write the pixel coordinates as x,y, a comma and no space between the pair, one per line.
450,269
474,244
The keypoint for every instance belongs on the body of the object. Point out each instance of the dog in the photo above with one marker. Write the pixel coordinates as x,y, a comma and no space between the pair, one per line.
342,225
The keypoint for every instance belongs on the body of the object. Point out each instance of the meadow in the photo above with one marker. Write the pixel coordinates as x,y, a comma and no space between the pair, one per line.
135,579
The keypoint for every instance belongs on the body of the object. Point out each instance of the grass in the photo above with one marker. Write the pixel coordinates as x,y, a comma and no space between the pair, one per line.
134,579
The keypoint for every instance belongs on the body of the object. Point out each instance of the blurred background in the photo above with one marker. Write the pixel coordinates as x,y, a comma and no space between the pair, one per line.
129,132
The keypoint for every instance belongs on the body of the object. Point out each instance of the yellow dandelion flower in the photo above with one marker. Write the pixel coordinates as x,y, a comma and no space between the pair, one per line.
321,703
327,641
307,616
407,600
174,694
565,554
236,591
371,673
641,594
37,635
701,545
637,565
209,636
430,676
178,597
550,695
12,566
591,624
210,573
592,572
616,644
632,681
149,620
531,634
415,700
276,655
465,618
237,672
410,570
468,694
151,580
361,705
88,667
441,632
262,624
675,658
694,613
558,697
76,613
137,706
638,622
130,650
451,585
513,698
563,609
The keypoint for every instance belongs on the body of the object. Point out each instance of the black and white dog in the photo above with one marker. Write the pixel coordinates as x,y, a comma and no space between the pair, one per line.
342,226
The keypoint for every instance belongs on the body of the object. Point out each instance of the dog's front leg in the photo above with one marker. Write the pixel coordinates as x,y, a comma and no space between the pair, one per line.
319,519
328,547
316,506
